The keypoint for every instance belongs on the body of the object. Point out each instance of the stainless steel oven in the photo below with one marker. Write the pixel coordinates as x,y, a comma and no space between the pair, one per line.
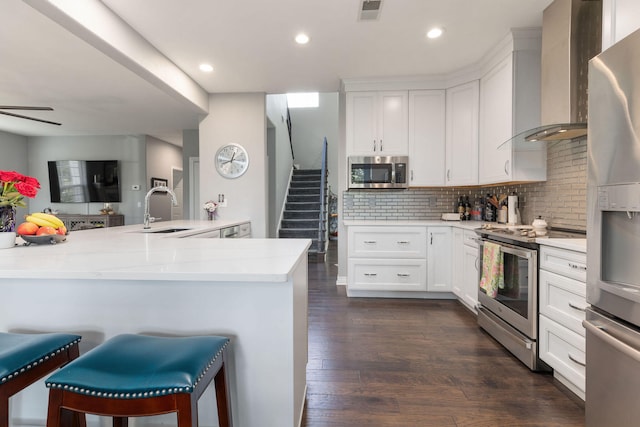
508,311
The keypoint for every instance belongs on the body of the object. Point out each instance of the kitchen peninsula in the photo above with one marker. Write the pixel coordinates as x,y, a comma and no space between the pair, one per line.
103,282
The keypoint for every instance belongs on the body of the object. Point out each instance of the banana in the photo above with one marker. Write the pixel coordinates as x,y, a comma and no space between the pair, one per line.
39,221
48,217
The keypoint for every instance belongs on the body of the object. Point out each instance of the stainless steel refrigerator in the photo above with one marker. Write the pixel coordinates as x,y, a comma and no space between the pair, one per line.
613,239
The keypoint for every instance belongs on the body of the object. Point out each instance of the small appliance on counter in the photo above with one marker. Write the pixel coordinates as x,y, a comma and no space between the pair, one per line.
513,212
451,216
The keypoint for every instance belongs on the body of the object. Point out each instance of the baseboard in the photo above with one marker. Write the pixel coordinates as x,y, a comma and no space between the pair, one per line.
341,281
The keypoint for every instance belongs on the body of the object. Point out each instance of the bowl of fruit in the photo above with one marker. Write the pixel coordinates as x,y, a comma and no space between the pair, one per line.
42,228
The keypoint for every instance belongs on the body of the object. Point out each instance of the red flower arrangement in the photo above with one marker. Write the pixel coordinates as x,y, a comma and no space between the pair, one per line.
14,187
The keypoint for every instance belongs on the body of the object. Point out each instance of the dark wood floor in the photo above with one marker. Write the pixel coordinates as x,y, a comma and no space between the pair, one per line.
392,362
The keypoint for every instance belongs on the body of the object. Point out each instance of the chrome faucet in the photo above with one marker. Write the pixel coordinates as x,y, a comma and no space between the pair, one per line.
147,217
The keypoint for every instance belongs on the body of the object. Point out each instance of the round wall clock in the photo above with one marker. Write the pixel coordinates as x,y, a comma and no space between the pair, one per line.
232,160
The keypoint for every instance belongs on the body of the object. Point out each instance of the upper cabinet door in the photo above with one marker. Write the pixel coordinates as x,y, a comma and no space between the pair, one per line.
377,123
462,134
496,123
426,138
361,122
393,122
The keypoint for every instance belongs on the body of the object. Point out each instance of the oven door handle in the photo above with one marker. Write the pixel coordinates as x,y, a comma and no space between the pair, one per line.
513,250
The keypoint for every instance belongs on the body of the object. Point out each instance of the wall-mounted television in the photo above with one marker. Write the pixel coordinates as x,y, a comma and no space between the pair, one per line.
84,181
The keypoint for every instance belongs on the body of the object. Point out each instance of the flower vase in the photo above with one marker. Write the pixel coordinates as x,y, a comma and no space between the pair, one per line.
7,227
210,215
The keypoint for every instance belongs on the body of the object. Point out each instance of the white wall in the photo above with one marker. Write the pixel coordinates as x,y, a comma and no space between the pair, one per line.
282,161
240,119
309,127
128,149
161,158
13,157
190,148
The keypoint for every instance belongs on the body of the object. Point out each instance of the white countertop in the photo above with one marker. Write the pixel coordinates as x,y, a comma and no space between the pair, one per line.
579,245
131,253
467,225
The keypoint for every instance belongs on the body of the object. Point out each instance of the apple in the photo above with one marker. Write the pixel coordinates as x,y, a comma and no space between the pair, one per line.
27,229
45,231
62,230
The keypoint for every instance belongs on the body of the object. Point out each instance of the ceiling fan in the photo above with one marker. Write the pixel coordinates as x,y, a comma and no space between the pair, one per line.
14,107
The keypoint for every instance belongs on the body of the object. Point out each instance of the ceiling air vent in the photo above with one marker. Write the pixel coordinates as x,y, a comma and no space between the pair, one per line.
370,10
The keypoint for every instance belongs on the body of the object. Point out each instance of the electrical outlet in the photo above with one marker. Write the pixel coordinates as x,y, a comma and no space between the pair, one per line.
223,204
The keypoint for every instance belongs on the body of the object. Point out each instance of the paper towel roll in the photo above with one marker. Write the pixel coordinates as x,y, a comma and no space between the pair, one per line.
512,213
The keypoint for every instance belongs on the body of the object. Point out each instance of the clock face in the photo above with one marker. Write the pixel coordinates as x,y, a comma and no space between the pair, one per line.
232,160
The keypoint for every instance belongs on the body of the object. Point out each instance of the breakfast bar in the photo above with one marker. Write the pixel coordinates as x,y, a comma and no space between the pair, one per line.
104,282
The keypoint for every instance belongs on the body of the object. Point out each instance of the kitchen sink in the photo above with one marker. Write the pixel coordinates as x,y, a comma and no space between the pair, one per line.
163,230
169,230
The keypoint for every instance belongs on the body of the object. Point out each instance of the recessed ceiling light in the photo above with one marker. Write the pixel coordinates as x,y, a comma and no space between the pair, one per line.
302,38
207,68
435,32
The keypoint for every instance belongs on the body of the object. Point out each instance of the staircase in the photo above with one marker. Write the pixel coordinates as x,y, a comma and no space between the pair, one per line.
302,216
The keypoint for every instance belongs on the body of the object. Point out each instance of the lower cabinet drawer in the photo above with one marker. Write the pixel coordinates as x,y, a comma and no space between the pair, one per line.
563,350
563,299
387,275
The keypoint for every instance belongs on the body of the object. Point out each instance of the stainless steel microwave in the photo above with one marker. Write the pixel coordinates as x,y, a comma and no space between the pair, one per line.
378,172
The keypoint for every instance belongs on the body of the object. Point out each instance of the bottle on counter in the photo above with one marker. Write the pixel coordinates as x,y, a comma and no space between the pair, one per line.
476,211
467,209
461,208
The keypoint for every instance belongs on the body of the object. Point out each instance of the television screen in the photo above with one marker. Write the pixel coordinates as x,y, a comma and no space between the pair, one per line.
84,181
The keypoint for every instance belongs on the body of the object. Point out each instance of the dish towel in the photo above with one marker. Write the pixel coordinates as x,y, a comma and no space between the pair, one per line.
492,277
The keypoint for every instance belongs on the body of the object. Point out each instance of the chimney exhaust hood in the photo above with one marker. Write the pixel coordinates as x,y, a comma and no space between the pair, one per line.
571,36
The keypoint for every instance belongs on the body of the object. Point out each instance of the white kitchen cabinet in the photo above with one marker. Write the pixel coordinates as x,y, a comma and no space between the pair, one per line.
562,309
388,258
239,231
465,267
509,105
426,138
471,265
377,123
439,259
387,274
457,272
461,149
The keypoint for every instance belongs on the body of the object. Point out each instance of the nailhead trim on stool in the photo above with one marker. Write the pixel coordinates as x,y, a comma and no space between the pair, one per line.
138,370
25,358
34,363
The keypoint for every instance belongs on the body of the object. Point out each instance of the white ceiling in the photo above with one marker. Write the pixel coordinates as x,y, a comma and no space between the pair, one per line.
248,42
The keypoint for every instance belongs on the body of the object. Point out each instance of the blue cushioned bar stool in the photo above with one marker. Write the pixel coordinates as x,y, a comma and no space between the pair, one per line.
25,358
138,375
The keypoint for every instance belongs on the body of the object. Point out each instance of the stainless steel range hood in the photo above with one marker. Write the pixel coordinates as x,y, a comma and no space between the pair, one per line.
571,36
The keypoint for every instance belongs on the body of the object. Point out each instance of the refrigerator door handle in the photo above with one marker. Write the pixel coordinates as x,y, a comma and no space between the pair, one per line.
602,333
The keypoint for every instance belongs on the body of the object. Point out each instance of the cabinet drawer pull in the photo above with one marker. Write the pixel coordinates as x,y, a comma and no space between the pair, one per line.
403,242
448,174
506,167
370,274
374,145
380,145
574,360
404,275
370,242
576,307
578,267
